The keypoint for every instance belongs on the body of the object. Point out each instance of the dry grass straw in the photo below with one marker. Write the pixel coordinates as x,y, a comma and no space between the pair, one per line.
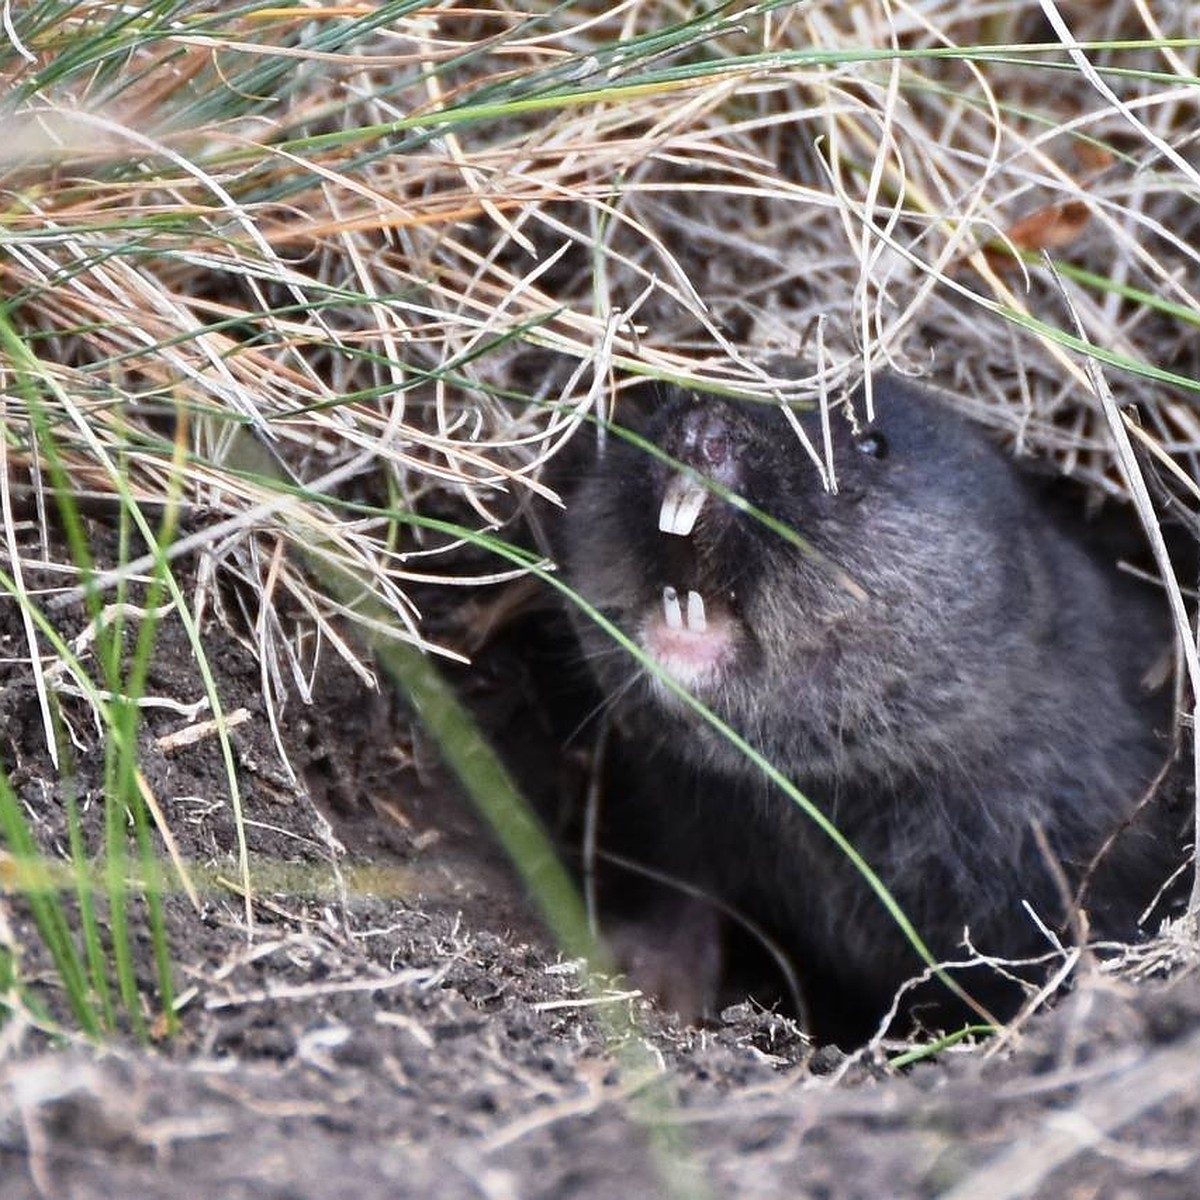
409,249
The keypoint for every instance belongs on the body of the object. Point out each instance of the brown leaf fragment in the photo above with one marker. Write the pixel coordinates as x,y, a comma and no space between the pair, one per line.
1048,228
1051,227
1092,156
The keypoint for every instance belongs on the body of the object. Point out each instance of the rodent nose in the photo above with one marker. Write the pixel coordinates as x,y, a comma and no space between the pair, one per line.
707,442
705,439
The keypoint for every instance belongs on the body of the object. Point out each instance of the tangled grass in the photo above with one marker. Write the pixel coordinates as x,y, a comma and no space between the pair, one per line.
330,284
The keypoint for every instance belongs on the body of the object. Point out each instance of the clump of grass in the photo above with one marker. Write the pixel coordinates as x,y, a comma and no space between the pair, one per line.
406,252
91,968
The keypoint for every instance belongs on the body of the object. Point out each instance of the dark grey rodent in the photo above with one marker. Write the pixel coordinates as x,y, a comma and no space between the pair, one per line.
951,668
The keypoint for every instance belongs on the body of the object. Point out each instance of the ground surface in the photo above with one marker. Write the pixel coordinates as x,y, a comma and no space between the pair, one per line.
394,1023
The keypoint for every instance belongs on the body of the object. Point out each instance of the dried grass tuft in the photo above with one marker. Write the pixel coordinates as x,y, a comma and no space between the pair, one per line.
348,231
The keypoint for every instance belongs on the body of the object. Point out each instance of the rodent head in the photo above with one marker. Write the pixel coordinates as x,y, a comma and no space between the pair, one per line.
895,599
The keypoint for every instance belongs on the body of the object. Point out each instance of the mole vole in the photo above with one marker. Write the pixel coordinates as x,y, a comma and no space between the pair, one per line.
942,667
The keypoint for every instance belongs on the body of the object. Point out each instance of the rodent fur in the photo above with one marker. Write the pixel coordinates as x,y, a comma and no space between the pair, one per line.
952,668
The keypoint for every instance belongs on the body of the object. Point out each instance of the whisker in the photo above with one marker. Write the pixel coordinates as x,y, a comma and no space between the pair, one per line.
606,705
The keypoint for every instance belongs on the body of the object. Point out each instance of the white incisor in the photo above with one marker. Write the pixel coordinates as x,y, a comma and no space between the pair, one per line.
681,505
696,620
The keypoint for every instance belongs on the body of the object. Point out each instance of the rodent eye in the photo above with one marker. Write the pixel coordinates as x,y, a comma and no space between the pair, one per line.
873,443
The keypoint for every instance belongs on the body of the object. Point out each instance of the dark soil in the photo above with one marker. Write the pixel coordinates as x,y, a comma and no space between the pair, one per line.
394,1022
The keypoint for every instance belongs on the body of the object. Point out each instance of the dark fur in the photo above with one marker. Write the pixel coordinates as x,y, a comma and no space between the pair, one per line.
990,680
